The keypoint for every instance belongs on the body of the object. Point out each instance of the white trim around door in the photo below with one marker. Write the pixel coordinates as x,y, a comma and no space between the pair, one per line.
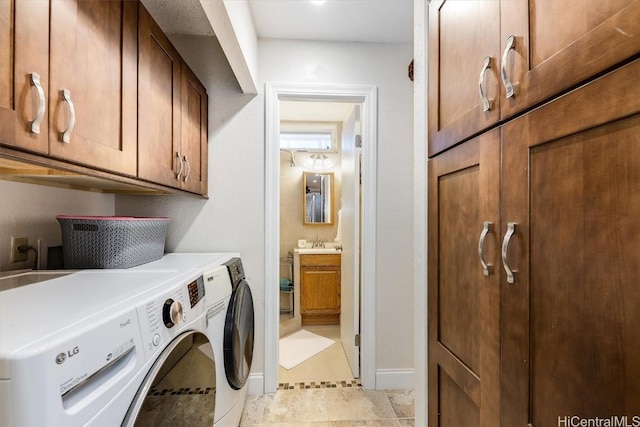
367,95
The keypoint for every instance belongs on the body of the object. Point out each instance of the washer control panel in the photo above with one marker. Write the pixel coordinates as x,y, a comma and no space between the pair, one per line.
164,316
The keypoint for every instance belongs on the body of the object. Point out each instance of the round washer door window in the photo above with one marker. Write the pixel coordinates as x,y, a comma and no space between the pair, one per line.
238,336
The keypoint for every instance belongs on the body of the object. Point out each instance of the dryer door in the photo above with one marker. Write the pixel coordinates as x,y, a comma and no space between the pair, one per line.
238,336
180,388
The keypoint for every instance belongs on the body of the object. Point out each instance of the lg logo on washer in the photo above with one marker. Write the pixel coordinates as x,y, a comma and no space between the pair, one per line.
60,358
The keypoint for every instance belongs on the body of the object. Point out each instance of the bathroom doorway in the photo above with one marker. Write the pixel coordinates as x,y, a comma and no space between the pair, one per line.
319,243
357,308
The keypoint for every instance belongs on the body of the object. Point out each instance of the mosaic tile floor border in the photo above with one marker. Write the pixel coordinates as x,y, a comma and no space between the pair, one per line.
180,391
319,384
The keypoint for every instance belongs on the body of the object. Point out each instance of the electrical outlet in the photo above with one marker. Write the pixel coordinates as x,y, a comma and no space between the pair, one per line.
15,243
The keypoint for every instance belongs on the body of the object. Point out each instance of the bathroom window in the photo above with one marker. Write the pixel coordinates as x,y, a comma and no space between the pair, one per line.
311,137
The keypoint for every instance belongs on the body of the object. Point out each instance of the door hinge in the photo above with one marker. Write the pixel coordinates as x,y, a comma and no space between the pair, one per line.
358,141
357,340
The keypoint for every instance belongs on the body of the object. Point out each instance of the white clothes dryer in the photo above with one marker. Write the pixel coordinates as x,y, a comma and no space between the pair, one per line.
230,318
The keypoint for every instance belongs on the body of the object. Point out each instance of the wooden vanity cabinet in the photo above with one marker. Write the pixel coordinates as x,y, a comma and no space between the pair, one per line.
320,289
172,114
556,46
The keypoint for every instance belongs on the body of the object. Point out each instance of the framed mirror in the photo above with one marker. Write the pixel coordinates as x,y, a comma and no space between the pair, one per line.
317,193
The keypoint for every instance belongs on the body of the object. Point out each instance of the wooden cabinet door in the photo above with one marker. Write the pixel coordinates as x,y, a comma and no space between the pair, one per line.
571,182
462,34
320,290
31,75
463,302
194,134
7,115
93,60
160,65
562,43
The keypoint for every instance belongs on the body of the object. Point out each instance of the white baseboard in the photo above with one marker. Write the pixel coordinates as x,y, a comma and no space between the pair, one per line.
389,379
255,383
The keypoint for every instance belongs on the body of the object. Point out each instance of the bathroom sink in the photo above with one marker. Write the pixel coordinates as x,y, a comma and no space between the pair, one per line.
312,251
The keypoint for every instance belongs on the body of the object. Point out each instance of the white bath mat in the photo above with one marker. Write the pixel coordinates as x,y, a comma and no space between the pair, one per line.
300,346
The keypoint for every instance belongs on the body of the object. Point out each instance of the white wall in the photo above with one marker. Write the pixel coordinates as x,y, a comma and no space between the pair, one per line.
385,66
28,210
232,219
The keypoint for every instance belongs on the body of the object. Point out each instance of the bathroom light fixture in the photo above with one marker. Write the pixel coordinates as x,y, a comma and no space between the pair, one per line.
318,162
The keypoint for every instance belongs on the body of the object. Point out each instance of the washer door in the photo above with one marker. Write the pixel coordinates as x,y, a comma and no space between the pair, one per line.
180,388
238,336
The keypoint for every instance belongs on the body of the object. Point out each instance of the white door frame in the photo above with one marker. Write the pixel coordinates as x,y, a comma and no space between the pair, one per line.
367,95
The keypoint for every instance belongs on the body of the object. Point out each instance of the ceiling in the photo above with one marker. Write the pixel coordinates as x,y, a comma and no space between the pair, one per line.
374,21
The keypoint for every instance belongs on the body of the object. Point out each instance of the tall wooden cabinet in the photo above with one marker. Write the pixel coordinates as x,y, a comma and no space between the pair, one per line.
7,113
548,197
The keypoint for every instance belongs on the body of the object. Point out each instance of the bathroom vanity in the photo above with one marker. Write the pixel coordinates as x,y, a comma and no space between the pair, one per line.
318,273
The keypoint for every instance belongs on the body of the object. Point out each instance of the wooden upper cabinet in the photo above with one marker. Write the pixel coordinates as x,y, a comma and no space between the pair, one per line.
93,83
537,49
172,114
159,83
560,44
463,42
194,132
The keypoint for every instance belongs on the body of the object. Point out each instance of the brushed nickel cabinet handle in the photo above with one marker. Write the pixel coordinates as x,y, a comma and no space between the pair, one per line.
511,44
65,135
511,229
186,176
486,268
35,124
179,157
486,106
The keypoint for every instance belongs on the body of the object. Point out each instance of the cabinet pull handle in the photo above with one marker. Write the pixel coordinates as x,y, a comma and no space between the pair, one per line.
186,176
486,106
486,268
181,165
65,135
511,44
511,229
35,124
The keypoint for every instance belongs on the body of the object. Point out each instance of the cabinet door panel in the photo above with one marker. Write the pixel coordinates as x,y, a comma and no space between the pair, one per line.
560,44
570,319
461,34
31,55
92,47
194,136
158,105
463,304
7,115
320,291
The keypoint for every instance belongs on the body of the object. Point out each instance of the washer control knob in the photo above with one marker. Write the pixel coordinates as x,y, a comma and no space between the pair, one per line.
156,340
172,313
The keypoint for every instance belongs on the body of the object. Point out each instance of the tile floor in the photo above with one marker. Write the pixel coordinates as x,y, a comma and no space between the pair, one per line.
338,402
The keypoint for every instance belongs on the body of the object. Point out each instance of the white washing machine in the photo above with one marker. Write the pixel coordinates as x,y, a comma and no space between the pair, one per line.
230,328
108,347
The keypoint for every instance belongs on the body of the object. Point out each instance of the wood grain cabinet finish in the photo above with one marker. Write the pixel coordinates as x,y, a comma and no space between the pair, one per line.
464,303
172,115
7,113
571,181
93,66
320,289
538,48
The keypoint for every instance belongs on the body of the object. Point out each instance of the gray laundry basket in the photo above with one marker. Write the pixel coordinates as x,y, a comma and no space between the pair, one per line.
111,242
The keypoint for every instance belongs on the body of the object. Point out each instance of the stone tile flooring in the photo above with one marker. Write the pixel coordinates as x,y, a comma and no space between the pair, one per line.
331,407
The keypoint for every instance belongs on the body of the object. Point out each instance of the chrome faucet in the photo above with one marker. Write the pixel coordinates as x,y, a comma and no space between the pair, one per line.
317,243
